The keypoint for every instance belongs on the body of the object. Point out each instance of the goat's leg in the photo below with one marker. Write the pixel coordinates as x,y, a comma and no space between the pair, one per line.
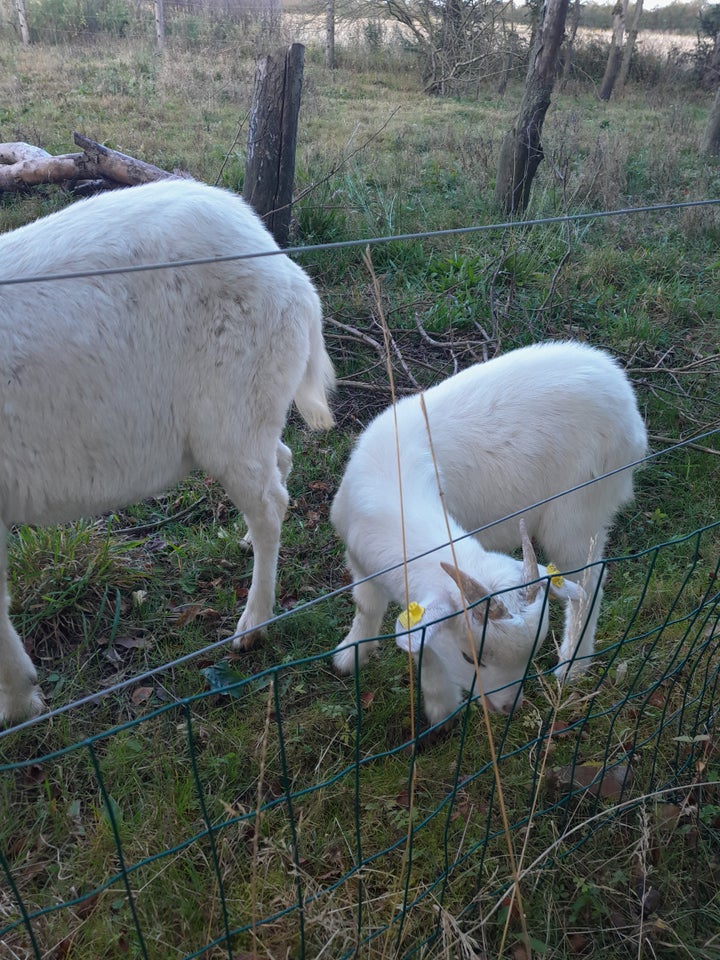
370,606
263,499
19,694
284,462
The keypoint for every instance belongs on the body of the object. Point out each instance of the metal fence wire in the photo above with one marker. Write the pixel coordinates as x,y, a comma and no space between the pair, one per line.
276,850
310,816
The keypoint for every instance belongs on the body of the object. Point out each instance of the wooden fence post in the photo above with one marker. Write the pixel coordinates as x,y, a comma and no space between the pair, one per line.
330,34
272,137
24,29
160,24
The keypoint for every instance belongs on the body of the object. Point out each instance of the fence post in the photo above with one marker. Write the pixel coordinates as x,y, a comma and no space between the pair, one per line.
272,137
160,24
330,34
24,30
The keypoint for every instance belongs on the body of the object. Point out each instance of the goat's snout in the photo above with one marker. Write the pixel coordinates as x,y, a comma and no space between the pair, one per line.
505,704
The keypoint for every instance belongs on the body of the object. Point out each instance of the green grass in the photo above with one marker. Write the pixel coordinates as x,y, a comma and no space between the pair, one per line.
102,602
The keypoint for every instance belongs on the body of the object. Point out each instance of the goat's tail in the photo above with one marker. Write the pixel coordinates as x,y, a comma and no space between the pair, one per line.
311,397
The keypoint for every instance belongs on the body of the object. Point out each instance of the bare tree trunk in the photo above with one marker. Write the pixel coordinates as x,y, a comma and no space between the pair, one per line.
521,150
24,30
711,138
712,74
569,45
612,68
330,34
272,138
633,30
510,55
160,24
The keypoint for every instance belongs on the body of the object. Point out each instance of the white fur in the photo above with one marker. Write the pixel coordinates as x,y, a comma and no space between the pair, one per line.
506,434
113,388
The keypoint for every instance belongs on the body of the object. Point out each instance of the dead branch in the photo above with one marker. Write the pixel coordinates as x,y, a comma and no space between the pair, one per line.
104,162
23,165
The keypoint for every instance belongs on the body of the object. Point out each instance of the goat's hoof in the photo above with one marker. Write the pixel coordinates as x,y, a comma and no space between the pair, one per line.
344,660
248,640
569,670
15,707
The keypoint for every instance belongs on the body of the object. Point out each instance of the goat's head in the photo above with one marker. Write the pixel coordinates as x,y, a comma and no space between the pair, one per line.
470,638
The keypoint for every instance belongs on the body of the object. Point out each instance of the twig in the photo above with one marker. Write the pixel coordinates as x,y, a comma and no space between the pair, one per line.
232,147
693,446
398,354
368,387
343,159
358,334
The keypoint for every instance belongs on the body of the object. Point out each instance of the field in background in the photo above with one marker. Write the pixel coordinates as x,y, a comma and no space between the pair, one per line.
102,601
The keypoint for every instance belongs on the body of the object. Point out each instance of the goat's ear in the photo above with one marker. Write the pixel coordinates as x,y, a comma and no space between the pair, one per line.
530,566
408,642
416,626
473,591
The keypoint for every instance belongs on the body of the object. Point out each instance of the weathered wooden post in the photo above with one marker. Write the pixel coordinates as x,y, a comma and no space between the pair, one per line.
272,137
160,24
22,17
330,34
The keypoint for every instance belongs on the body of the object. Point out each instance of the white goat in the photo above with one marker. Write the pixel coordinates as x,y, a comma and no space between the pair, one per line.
505,434
112,388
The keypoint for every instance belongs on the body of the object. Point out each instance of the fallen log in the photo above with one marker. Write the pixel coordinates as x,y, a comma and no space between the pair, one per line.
104,162
23,165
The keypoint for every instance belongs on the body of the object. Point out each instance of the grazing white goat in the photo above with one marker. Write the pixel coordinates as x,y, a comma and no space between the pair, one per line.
112,388
505,434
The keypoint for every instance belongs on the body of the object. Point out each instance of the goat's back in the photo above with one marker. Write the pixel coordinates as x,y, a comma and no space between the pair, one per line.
505,434
114,386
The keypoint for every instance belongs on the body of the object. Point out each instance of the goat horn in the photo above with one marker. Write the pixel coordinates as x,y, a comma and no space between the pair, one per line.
530,565
473,590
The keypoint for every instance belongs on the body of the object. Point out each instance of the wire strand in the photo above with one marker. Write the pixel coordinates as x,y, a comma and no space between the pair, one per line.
347,244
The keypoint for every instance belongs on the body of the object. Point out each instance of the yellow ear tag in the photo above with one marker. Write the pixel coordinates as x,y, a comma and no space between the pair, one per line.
412,616
555,578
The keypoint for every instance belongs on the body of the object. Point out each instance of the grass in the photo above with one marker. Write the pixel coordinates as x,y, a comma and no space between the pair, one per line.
227,805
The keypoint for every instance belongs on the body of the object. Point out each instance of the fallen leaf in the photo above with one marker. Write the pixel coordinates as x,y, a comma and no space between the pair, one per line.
220,677
596,779
658,698
33,773
140,695
650,898
668,814
567,728
366,699
186,613
510,903
129,643
578,943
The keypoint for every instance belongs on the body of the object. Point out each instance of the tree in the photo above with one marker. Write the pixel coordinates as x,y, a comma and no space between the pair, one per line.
457,39
521,151
569,44
633,31
711,139
612,68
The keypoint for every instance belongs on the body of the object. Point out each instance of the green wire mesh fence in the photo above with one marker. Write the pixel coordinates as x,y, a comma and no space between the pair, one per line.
292,827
